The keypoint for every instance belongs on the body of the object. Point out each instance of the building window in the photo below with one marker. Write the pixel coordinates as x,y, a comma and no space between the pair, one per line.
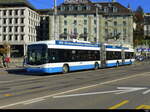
124,23
22,37
4,21
22,12
10,29
85,22
4,29
85,30
75,15
124,32
16,20
75,22
95,30
106,32
65,16
85,15
124,17
16,37
4,13
22,20
65,30
75,8
75,31
16,29
95,22
16,12
10,21
4,37
115,32
65,22
22,29
10,12
10,37
115,23
106,23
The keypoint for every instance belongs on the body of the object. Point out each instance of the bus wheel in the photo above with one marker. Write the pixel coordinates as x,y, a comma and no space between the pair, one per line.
96,66
65,69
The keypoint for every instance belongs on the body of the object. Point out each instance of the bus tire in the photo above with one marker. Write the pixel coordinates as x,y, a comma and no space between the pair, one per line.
96,66
65,69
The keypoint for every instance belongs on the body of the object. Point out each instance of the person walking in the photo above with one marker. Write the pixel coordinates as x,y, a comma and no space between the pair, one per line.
3,61
7,61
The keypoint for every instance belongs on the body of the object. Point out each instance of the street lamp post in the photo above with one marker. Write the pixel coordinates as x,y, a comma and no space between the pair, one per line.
55,20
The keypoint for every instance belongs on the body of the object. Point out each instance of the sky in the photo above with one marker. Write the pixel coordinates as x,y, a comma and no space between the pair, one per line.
44,4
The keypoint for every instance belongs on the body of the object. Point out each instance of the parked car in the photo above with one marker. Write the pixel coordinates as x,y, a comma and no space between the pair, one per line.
140,58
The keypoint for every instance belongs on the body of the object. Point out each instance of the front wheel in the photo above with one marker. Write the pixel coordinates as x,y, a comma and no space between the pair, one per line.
65,69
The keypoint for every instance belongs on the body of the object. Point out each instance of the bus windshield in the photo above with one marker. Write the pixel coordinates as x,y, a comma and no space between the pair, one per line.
37,54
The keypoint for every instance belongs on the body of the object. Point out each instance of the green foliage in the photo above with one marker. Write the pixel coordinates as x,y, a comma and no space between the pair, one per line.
138,34
5,49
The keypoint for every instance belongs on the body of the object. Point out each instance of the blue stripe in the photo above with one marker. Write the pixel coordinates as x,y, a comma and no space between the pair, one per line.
59,69
111,64
74,68
76,44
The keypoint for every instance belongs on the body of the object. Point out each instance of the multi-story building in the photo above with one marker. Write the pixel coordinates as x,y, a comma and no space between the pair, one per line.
19,24
43,33
147,25
92,21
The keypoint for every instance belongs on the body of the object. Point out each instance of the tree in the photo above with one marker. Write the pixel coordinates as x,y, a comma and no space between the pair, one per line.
138,34
6,49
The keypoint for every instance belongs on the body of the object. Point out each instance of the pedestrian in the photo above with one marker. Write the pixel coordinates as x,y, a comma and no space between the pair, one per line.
3,61
7,61
24,60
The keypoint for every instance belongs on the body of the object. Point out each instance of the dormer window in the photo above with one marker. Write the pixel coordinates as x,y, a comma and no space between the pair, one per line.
115,9
84,8
70,8
76,8
62,8
88,7
105,9
79,8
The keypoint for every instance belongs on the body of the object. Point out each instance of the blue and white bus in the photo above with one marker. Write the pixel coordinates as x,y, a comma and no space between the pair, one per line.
65,56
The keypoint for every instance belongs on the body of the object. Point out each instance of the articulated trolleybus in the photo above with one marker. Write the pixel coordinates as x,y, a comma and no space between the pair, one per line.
64,56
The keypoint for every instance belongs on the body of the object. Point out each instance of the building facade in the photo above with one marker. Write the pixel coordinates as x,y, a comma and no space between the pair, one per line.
147,25
90,21
19,24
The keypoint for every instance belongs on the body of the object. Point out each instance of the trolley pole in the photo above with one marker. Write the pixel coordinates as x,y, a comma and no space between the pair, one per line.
55,20
101,42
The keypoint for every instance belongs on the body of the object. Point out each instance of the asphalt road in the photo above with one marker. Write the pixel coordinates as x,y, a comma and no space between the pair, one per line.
125,87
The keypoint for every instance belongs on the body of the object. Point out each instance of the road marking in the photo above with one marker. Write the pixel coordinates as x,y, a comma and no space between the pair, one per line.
121,90
73,90
119,104
84,94
129,89
8,95
143,107
57,75
146,92
33,101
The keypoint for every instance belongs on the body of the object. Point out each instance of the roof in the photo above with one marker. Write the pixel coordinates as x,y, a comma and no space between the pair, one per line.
14,3
102,6
110,5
